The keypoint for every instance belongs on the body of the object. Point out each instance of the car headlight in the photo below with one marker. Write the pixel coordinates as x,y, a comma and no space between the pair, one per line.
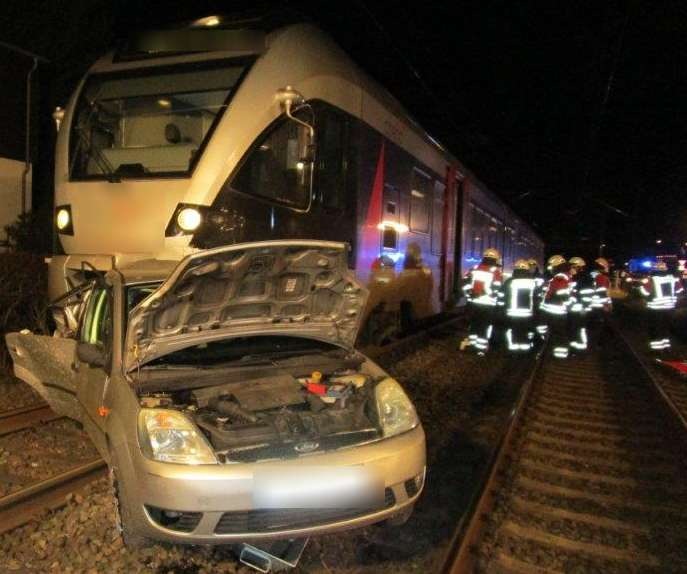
168,436
396,412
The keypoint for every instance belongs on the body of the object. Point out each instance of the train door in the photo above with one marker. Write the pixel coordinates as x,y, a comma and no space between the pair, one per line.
458,206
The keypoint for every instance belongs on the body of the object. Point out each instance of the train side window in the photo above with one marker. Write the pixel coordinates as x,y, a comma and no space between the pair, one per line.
420,195
390,238
277,168
332,157
437,217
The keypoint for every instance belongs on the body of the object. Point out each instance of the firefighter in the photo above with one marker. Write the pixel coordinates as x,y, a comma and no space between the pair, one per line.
555,305
483,289
539,322
581,295
660,291
601,301
518,298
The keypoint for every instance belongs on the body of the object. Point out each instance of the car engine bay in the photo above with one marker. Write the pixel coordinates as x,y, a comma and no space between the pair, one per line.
279,415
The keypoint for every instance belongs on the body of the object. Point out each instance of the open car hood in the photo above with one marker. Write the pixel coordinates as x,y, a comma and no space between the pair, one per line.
294,287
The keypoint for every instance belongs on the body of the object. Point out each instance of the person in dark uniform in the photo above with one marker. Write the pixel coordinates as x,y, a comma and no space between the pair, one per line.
518,305
483,288
555,305
660,291
581,296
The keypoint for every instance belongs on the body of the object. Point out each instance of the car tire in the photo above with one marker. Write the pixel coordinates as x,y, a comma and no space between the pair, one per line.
401,517
126,523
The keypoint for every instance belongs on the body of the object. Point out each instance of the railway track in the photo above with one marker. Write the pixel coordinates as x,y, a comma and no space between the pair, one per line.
590,476
23,505
25,417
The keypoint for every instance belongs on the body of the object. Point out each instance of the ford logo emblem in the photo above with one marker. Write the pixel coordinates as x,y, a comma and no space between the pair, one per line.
307,446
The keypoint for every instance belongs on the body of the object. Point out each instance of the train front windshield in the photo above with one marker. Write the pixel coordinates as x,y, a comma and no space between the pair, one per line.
148,123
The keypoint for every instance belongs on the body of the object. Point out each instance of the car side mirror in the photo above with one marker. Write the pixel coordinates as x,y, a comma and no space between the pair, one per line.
91,354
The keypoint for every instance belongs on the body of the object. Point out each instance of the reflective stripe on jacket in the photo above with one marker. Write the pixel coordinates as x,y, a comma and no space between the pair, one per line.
519,296
483,285
660,291
557,298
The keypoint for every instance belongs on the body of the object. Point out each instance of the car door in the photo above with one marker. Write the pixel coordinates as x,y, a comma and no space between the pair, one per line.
46,362
92,377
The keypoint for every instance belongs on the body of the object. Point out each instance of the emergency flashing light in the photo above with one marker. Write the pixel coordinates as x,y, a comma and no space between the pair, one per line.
646,264
189,219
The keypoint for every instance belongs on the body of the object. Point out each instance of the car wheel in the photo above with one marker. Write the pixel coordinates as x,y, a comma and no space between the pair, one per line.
125,522
401,518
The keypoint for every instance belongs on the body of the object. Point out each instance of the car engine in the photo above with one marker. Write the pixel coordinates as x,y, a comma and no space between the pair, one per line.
279,416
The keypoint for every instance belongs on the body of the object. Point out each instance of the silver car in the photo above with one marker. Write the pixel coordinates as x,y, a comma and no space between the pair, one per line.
227,397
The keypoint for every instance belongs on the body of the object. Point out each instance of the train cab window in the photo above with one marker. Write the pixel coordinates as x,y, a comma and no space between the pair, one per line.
420,197
278,168
149,122
332,157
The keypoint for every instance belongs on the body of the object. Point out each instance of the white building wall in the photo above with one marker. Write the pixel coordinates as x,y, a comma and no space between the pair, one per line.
10,193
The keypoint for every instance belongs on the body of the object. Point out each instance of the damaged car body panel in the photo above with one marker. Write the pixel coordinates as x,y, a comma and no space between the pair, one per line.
46,364
275,287
226,395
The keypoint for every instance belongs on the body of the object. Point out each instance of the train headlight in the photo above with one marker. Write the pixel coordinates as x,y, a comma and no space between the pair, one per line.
63,220
189,218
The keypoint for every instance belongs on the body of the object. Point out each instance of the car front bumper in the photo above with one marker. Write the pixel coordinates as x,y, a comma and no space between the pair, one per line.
215,502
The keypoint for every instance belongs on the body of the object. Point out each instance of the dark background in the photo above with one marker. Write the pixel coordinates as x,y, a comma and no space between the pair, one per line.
572,112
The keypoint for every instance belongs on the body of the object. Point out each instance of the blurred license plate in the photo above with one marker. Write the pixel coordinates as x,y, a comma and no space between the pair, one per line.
317,487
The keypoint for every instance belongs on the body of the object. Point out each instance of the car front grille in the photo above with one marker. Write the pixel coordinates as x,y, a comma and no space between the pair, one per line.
270,520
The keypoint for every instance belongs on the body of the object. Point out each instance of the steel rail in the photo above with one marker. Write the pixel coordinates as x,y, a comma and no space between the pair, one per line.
459,557
20,507
679,416
375,352
20,410
25,417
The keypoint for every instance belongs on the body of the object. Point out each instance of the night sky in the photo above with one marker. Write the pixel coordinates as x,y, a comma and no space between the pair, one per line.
572,112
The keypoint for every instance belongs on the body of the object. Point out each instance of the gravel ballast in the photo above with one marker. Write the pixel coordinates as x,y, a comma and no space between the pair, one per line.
42,451
462,400
15,394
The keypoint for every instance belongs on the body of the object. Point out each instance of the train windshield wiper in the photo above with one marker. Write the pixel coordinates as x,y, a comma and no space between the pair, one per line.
85,145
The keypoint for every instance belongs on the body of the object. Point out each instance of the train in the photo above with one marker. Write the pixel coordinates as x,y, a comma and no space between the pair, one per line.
268,132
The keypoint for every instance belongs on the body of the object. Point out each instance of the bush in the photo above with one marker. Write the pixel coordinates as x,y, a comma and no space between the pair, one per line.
29,233
23,296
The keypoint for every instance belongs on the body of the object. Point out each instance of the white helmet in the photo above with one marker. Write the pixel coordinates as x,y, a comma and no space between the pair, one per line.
602,262
555,261
492,253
